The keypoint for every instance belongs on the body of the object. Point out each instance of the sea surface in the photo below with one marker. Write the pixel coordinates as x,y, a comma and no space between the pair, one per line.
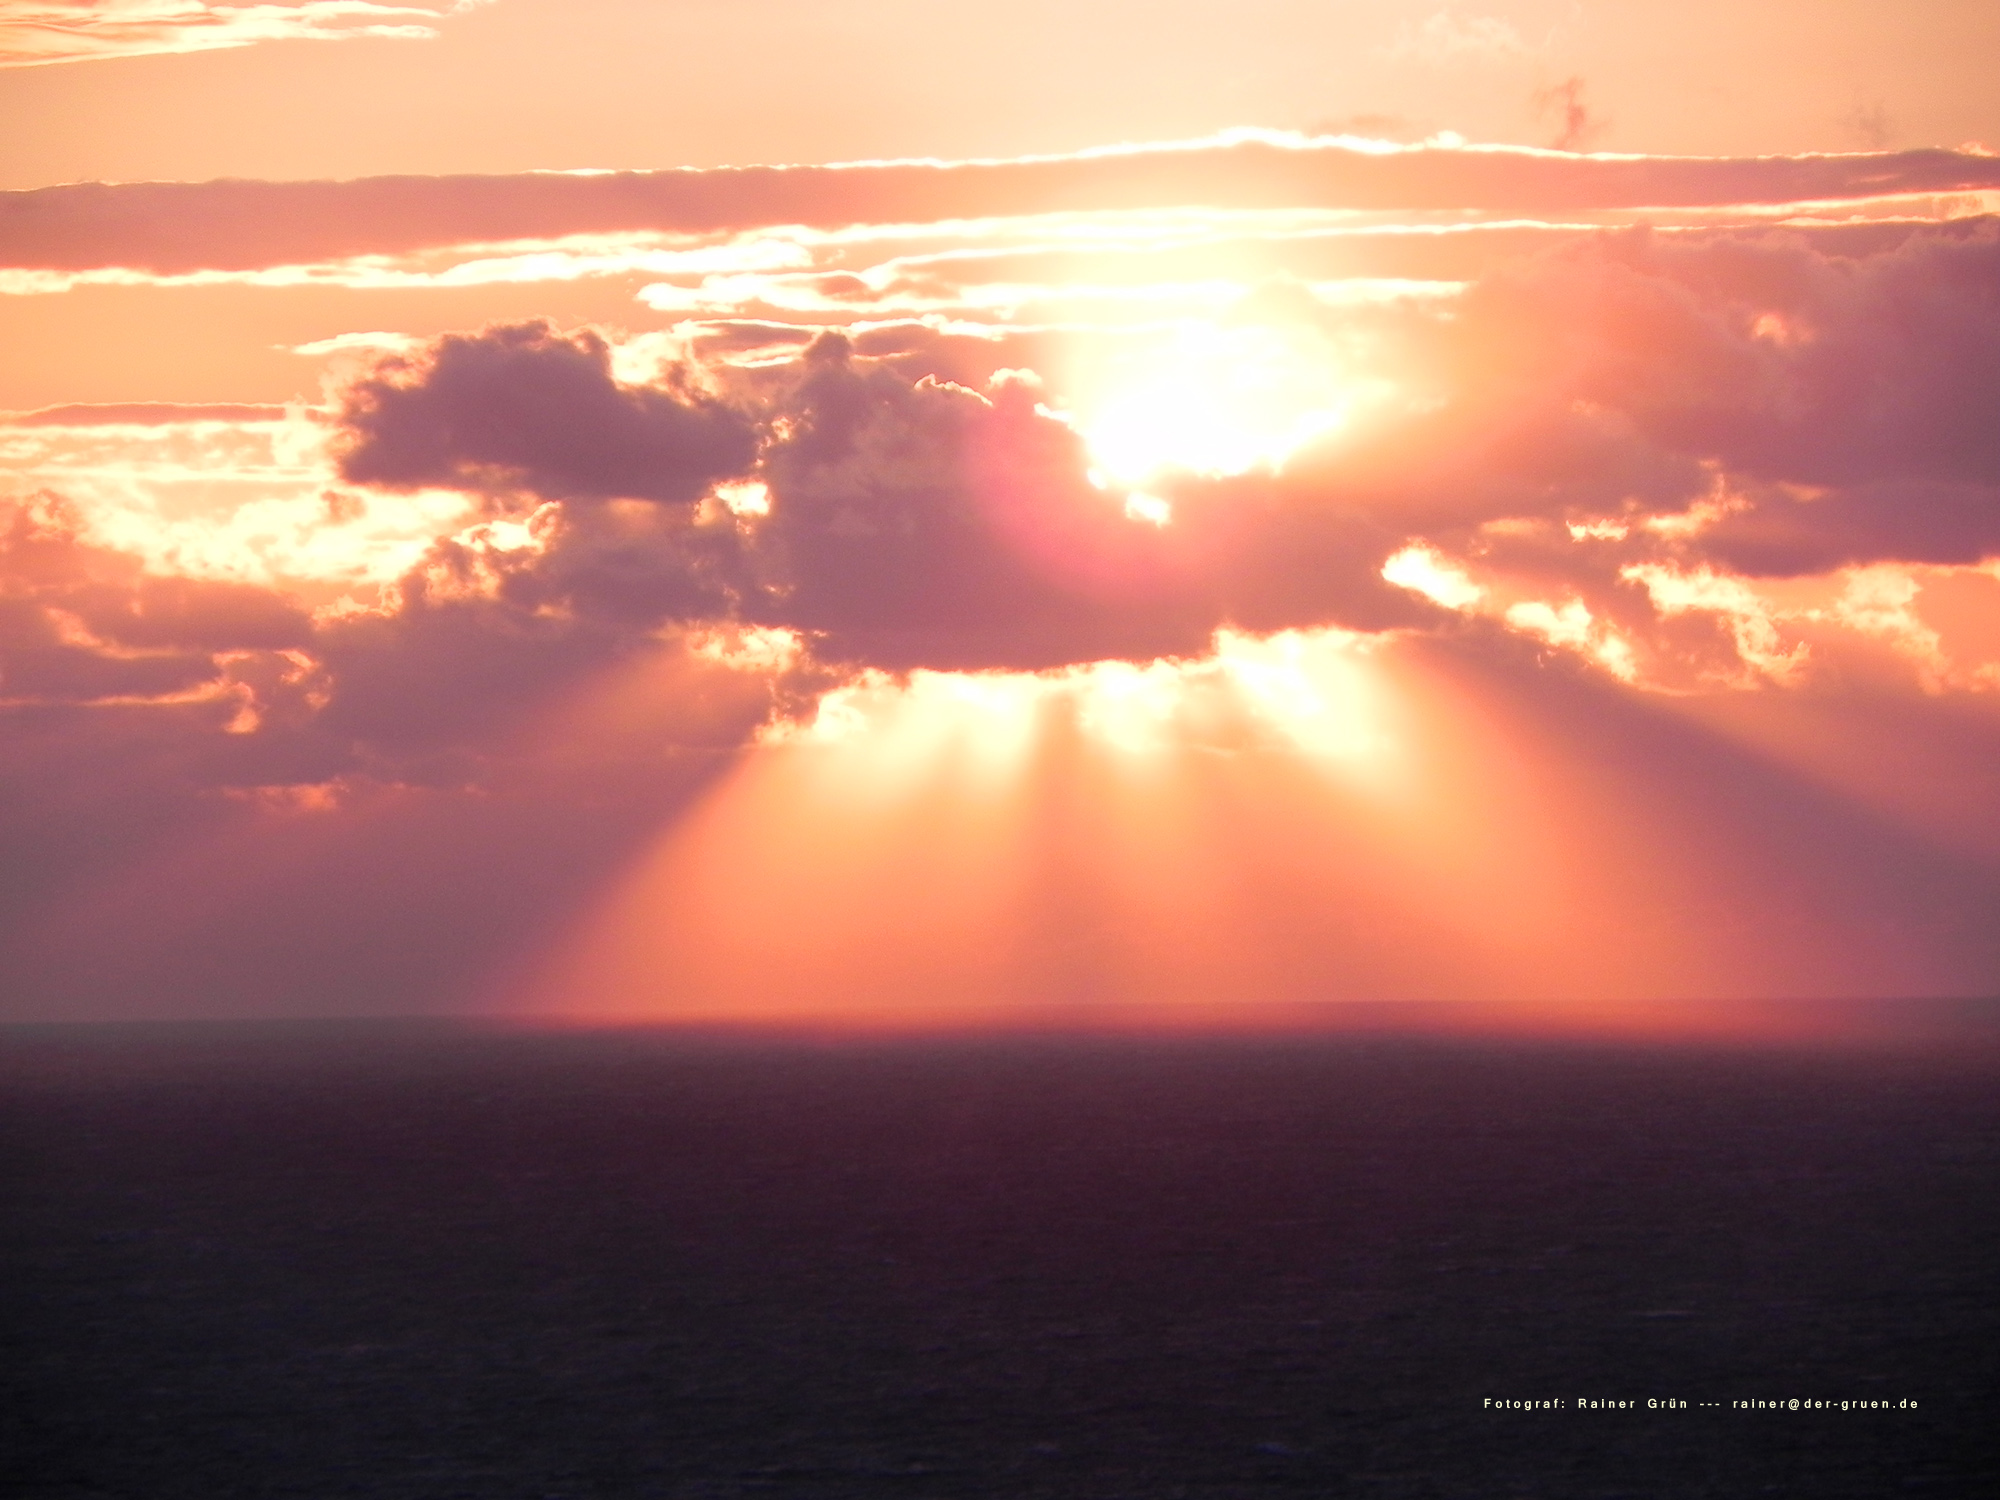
435,1260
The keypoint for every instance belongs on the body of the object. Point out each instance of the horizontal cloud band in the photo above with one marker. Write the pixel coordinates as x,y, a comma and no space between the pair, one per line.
170,228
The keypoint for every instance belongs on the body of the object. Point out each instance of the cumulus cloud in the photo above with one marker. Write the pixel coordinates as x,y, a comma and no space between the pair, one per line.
1632,441
39,32
921,523
905,520
526,407
1867,384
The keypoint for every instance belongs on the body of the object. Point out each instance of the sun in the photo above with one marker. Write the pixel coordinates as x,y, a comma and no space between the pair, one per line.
1209,399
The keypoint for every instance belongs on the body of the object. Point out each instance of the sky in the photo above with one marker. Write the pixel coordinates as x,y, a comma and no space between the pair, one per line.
882,514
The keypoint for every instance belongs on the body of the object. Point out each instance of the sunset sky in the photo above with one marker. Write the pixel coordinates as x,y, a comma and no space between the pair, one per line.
859,510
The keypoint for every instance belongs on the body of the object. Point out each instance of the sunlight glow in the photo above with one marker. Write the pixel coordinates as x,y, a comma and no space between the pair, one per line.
1302,817
745,497
1316,693
1212,400
1425,570
250,500
1731,600
1320,689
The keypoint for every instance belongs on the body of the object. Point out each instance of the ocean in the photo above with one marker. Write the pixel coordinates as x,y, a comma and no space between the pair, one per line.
436,1259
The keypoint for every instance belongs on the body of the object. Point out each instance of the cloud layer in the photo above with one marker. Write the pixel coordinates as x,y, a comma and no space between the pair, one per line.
1576,437
1746,404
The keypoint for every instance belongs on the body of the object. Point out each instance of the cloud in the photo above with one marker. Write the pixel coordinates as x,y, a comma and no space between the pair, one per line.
580,659
1577,425
1445,39
901,520
1673,453
34,33
490,622
1619,372
909,521
1577,127
1875,374
216,802
370,341
356,699
145,414
921,523
1588,429
1374,126
1574,437
1868,125
525,407
86,623
1753,403
179,228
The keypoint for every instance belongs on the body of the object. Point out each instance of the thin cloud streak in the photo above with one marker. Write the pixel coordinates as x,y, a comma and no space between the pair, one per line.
39,33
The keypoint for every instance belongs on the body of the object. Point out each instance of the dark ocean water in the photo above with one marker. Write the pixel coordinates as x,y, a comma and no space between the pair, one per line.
426,1261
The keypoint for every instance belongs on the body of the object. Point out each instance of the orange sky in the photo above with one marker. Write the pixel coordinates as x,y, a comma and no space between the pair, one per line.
1371,503
531,84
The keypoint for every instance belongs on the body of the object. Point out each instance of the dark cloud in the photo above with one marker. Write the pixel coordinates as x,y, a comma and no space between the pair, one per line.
1844,394
922,513
239,225
1782,533
522,406
919,523
721,337
1787,362
913,521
